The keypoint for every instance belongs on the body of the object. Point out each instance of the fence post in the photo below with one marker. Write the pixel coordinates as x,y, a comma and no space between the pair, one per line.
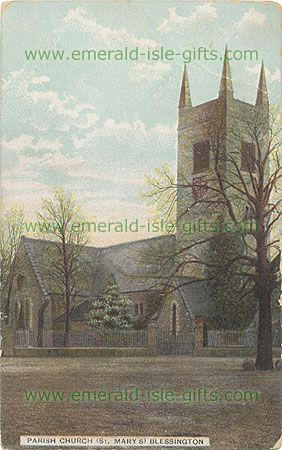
199,340
9,340
152,340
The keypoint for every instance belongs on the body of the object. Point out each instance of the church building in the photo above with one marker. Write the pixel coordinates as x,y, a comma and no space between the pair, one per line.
34,299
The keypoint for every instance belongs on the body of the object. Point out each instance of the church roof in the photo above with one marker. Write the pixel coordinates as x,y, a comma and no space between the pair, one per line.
125,261
38,250
194,295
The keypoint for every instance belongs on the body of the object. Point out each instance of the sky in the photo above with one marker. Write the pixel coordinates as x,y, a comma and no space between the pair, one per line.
99,127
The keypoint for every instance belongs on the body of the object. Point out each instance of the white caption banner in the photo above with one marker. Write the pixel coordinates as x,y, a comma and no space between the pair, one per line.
117,441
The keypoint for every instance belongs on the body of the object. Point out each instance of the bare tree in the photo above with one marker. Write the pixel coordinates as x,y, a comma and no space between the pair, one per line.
240,185
65,264
11,228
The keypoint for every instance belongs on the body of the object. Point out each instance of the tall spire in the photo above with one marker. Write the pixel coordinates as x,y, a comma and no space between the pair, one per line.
185,98
262,95
226,80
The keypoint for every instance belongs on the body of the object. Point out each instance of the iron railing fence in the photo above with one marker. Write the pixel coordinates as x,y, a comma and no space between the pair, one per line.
27,338
228,338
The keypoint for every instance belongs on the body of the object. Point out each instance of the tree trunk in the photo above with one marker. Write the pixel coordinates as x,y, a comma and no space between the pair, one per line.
7,309
264,344
40,331
41,321
68,325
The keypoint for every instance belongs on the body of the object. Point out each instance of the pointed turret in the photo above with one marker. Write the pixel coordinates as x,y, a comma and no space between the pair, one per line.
226,86
185,98
262,95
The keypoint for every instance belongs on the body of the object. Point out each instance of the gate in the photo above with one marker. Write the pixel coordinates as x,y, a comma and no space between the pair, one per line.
169,343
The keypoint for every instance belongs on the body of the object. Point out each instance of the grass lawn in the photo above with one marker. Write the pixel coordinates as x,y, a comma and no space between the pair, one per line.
229,425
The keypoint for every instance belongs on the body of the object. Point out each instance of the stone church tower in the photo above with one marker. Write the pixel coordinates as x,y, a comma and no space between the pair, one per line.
217,127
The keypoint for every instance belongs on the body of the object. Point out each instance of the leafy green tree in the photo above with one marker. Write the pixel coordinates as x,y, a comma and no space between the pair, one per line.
111,311
228,308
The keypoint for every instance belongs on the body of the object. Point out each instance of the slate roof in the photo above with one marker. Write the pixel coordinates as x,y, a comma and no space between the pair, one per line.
37,251
121,260
79,312
194,294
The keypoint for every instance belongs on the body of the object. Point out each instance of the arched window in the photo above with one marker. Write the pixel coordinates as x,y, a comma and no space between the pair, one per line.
20,282
173,328
136,309
20,322
141,309
205,335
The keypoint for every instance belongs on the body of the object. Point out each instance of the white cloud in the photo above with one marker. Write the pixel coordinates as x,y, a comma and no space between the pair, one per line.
255,70
31,166
68,106
164,132
111,37
202,12
251,18
45,144
40,80
13,75
25,192
58,111
91,118
64,127
276,76
149,72
122,176
25,186
26,141
136,134
19,143
21,170
60,162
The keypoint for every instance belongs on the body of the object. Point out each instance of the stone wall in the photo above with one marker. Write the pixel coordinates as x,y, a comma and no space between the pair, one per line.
183,320
27,295
220,122
80,352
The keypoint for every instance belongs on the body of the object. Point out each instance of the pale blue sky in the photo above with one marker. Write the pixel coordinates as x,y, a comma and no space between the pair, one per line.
98,127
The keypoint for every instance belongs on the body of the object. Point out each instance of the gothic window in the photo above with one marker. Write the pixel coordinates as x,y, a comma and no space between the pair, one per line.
136,309
248,214
205,335
199,187
20,322
248,156
201,157
20,282
141,309
173,319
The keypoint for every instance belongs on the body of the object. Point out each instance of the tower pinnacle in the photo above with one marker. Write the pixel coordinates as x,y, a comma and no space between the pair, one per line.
226,80
262,95
185,98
